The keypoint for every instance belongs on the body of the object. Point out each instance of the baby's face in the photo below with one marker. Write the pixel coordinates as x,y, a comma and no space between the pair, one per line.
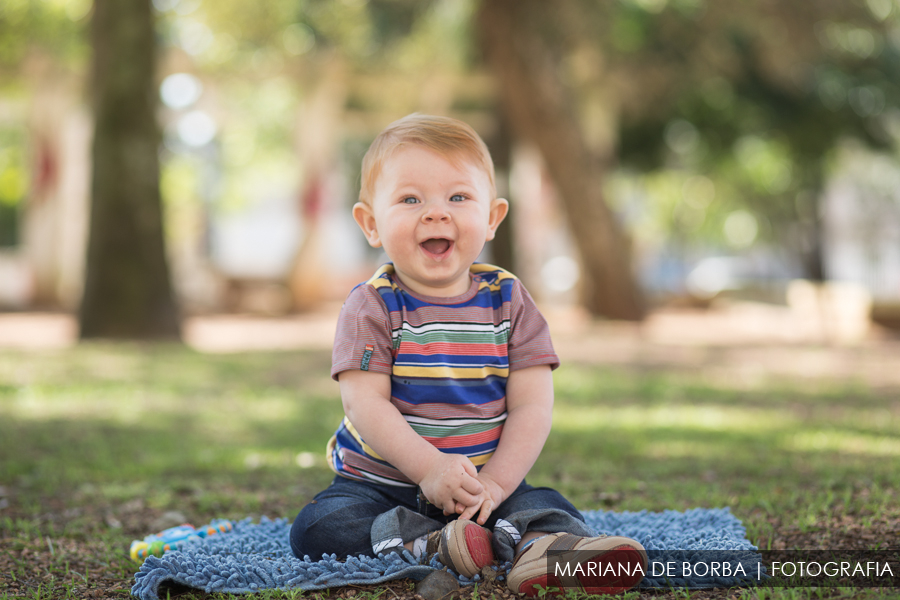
433,217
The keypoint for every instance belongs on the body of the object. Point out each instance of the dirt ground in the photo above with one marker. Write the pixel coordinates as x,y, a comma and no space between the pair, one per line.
742,343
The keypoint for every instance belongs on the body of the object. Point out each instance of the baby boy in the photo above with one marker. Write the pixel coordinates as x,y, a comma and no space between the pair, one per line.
444,366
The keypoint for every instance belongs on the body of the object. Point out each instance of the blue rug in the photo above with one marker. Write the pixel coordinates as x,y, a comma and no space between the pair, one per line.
254,557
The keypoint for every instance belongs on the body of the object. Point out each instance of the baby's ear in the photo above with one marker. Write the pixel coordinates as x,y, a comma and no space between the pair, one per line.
499,208
365,218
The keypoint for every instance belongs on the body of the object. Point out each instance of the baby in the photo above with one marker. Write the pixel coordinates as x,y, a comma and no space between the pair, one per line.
444,366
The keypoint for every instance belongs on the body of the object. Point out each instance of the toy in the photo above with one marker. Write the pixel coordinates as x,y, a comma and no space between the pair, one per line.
174,537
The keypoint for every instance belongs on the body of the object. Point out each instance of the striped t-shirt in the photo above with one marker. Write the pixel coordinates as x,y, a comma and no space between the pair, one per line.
448,359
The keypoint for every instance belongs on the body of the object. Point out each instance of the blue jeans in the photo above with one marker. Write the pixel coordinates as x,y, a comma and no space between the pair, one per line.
352,517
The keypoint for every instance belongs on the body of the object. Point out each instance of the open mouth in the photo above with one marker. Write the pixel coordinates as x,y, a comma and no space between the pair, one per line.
436,246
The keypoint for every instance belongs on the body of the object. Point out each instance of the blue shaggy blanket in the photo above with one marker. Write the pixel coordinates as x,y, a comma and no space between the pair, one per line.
254,557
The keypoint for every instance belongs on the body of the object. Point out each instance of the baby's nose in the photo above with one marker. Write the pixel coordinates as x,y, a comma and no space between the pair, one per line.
436,211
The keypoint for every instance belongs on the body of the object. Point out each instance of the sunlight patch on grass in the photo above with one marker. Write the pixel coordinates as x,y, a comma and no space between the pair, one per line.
37,403
836,441
670,449
118,491
877,420
698,418
94,362
257,458
128,406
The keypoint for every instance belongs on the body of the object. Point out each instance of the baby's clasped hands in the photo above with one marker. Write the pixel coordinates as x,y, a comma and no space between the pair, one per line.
491,497
451,479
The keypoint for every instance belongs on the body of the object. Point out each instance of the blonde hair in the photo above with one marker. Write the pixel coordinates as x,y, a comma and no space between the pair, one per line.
451,138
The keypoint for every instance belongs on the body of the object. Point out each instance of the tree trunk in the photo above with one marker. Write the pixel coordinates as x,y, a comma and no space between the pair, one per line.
128,293
809,216
500,146
539,110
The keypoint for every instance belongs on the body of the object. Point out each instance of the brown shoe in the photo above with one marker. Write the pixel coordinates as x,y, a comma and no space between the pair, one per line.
462,545
597,565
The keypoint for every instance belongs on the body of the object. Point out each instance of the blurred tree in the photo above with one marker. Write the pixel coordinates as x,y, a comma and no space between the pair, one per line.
127,291
525,46
753,95
731,109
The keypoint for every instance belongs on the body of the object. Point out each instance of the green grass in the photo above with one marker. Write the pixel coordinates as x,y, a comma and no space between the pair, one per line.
99,440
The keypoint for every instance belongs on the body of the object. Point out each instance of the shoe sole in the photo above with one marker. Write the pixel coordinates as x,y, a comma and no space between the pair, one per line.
612,569
470,549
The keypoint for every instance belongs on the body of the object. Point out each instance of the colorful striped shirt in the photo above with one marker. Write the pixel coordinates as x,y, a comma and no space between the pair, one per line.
448,359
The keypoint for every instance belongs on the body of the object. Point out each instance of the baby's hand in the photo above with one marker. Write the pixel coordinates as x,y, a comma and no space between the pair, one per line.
488,500
451,479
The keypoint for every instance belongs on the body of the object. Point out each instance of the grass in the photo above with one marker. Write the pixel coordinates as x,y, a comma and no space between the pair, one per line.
98,441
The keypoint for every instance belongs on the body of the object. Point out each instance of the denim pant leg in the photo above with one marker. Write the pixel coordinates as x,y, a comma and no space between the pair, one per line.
533,509
339,519
399,525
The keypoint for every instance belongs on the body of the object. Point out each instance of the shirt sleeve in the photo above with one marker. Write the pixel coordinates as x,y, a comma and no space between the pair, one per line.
529,337
362,341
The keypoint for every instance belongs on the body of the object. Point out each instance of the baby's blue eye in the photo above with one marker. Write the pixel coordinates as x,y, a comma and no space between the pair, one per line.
410,200
457,198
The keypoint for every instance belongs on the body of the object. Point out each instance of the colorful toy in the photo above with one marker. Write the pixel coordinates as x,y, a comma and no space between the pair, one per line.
174,537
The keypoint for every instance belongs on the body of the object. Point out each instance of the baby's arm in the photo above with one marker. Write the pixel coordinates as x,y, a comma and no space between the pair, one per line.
529,405
445,479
